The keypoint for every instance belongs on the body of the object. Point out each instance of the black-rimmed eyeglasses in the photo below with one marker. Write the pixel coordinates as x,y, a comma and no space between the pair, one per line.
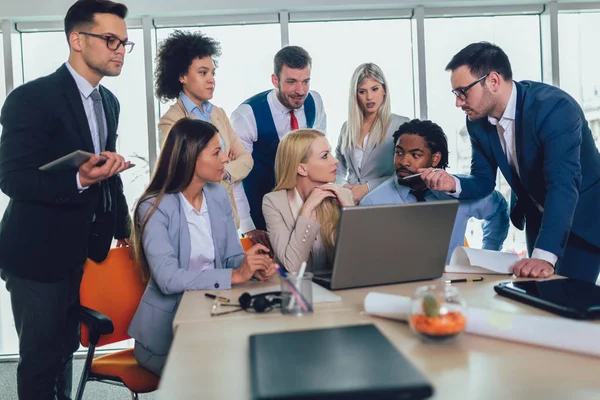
112,42
461,92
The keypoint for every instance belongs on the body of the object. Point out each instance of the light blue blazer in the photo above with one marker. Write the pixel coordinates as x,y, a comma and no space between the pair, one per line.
167,246
377,163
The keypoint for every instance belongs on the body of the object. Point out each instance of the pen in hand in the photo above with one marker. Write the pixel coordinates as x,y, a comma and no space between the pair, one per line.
464,280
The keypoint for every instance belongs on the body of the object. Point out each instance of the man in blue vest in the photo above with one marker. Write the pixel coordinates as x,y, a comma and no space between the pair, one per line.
263,120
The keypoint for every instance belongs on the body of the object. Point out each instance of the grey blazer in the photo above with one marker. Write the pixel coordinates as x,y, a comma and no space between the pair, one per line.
167,245
377,163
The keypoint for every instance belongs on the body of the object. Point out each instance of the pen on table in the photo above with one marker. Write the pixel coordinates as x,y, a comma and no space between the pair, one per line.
220,298
465,280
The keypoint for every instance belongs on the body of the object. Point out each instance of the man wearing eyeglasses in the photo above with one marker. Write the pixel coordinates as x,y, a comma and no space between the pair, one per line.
539,138
55,219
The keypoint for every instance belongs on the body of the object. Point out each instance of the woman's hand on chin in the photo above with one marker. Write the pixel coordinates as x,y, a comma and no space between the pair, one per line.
256,259
345,197
314,199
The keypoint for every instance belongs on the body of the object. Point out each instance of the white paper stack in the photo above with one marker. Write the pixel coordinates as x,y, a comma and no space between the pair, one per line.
467,260
556,333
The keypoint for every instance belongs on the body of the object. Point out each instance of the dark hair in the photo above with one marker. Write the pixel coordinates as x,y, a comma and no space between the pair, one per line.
82,13
174,172
175,55
434,136
292,56
482,58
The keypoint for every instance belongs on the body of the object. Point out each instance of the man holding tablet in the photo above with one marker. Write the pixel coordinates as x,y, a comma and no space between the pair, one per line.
55,219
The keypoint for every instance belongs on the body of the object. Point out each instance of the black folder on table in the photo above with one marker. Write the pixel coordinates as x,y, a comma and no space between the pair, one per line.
354,362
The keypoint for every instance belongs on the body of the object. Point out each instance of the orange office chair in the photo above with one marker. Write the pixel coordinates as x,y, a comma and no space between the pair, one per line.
110,293
246,243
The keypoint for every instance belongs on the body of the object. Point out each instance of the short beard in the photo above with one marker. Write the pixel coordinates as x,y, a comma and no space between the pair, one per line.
284,101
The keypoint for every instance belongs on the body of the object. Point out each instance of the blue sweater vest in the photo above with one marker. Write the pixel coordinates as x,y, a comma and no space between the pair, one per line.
261,180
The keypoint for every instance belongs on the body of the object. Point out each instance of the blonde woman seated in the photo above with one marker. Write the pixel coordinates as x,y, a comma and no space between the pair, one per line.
185,72
185,237
302,213
366,146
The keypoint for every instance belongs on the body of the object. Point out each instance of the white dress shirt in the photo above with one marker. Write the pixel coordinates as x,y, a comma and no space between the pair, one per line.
85,91
202,255
244,125
506,132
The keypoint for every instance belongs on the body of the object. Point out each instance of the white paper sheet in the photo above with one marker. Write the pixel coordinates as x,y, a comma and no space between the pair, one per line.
467,260
556,333
320,294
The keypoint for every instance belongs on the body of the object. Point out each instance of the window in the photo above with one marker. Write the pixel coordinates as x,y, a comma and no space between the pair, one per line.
444,37
128,87
337,48
246,64
579,64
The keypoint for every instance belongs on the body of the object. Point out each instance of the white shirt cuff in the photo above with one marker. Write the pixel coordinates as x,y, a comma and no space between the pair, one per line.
544,255
456,193
79,187
247,225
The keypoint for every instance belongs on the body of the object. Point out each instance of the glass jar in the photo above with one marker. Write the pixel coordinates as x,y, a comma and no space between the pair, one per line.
438,313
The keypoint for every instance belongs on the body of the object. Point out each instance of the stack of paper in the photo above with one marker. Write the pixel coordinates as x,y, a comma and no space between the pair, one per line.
467,260
555,333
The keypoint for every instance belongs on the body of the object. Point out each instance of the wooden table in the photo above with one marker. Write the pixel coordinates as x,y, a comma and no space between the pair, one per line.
209,357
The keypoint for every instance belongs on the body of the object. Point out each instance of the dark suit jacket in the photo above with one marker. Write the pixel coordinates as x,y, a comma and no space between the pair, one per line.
48,226
559,167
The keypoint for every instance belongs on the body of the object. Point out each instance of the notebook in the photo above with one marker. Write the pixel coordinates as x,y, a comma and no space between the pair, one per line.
467,260
353,362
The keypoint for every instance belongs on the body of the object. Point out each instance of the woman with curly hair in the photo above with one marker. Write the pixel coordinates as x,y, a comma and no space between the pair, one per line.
185,71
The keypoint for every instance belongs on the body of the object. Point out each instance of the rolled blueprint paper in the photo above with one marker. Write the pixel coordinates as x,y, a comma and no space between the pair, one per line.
552,332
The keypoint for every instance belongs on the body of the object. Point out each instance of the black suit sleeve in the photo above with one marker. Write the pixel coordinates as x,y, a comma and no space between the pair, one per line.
27,124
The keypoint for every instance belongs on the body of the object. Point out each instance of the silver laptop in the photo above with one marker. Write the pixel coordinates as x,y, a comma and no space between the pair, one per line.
378,245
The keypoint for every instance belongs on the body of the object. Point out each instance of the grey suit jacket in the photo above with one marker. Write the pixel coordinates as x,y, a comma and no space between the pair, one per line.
377,163
167,245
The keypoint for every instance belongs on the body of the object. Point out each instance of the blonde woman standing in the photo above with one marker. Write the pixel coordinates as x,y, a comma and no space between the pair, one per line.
302,213
366,147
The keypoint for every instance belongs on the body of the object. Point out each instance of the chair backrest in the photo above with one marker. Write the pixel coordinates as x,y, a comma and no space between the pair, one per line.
114,288
246,244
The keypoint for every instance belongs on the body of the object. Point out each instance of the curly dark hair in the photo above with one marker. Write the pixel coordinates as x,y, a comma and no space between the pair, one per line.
432,133
174,57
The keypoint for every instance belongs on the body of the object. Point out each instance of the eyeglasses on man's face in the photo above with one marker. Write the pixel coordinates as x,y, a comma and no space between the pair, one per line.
112,42
461,92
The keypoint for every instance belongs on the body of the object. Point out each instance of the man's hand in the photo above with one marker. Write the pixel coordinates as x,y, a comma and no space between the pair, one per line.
437,179
90,172
533,268
124,242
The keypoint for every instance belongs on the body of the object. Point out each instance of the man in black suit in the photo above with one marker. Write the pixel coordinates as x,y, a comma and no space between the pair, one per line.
56,219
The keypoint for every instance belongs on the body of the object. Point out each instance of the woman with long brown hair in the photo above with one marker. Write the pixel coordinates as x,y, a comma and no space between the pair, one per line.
185,236
303,211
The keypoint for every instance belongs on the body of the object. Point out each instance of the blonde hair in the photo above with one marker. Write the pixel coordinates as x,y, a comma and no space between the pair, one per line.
356,115
293,150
